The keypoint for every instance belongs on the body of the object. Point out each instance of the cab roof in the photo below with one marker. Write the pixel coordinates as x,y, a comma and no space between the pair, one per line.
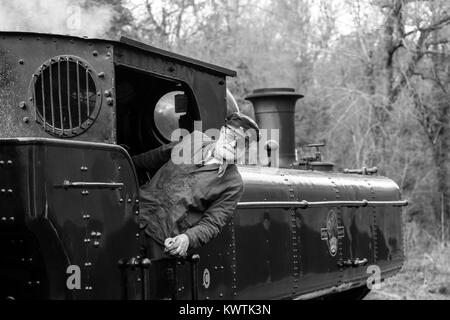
126,42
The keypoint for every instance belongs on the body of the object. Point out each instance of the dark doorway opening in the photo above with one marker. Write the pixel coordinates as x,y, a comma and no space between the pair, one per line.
146,111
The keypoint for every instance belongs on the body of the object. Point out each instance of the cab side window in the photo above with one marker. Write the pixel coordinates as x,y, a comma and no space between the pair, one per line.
149,108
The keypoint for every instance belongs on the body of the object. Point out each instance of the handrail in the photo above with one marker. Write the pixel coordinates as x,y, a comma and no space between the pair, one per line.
305,204
89,185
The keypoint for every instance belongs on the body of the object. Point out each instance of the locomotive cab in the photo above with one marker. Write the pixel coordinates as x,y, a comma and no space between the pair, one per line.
149,109
73,111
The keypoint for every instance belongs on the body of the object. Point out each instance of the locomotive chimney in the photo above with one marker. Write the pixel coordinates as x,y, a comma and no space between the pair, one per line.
275,109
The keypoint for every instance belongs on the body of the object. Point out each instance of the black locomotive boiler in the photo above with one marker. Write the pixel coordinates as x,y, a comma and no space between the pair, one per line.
73,110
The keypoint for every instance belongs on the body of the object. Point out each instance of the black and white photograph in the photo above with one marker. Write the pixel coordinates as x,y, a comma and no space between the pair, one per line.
221,154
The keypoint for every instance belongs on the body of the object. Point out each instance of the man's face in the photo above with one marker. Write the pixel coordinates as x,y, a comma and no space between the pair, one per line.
231,144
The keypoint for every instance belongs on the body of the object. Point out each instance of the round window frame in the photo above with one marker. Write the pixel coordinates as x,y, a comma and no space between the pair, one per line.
157,131
49,128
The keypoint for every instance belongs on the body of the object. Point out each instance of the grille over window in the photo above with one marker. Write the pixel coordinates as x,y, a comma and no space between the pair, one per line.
66,96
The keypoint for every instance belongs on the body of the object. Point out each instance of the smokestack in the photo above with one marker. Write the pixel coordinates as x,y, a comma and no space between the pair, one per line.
275,109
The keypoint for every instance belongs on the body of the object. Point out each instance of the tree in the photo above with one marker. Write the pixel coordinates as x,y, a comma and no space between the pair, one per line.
424,75
122,22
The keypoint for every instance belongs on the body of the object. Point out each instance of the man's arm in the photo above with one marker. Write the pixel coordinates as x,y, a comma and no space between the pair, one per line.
154,159
215,217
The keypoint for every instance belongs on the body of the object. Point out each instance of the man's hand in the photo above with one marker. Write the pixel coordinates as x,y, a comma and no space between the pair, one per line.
177,246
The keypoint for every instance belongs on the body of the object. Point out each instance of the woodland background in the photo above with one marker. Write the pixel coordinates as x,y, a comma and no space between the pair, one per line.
375,75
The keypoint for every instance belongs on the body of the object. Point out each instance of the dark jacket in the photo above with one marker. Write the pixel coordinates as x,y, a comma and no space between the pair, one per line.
186,198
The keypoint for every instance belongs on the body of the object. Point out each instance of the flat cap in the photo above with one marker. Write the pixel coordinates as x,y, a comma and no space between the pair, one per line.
240,120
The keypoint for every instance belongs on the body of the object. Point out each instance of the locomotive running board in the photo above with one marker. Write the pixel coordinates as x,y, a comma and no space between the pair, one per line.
323,292
305,204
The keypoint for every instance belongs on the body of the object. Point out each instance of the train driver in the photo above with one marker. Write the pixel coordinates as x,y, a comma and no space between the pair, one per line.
186,205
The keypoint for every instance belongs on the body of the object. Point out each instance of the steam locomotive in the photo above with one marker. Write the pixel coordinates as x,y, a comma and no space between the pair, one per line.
73,110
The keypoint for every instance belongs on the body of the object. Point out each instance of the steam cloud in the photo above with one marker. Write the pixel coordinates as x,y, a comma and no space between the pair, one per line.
55,16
